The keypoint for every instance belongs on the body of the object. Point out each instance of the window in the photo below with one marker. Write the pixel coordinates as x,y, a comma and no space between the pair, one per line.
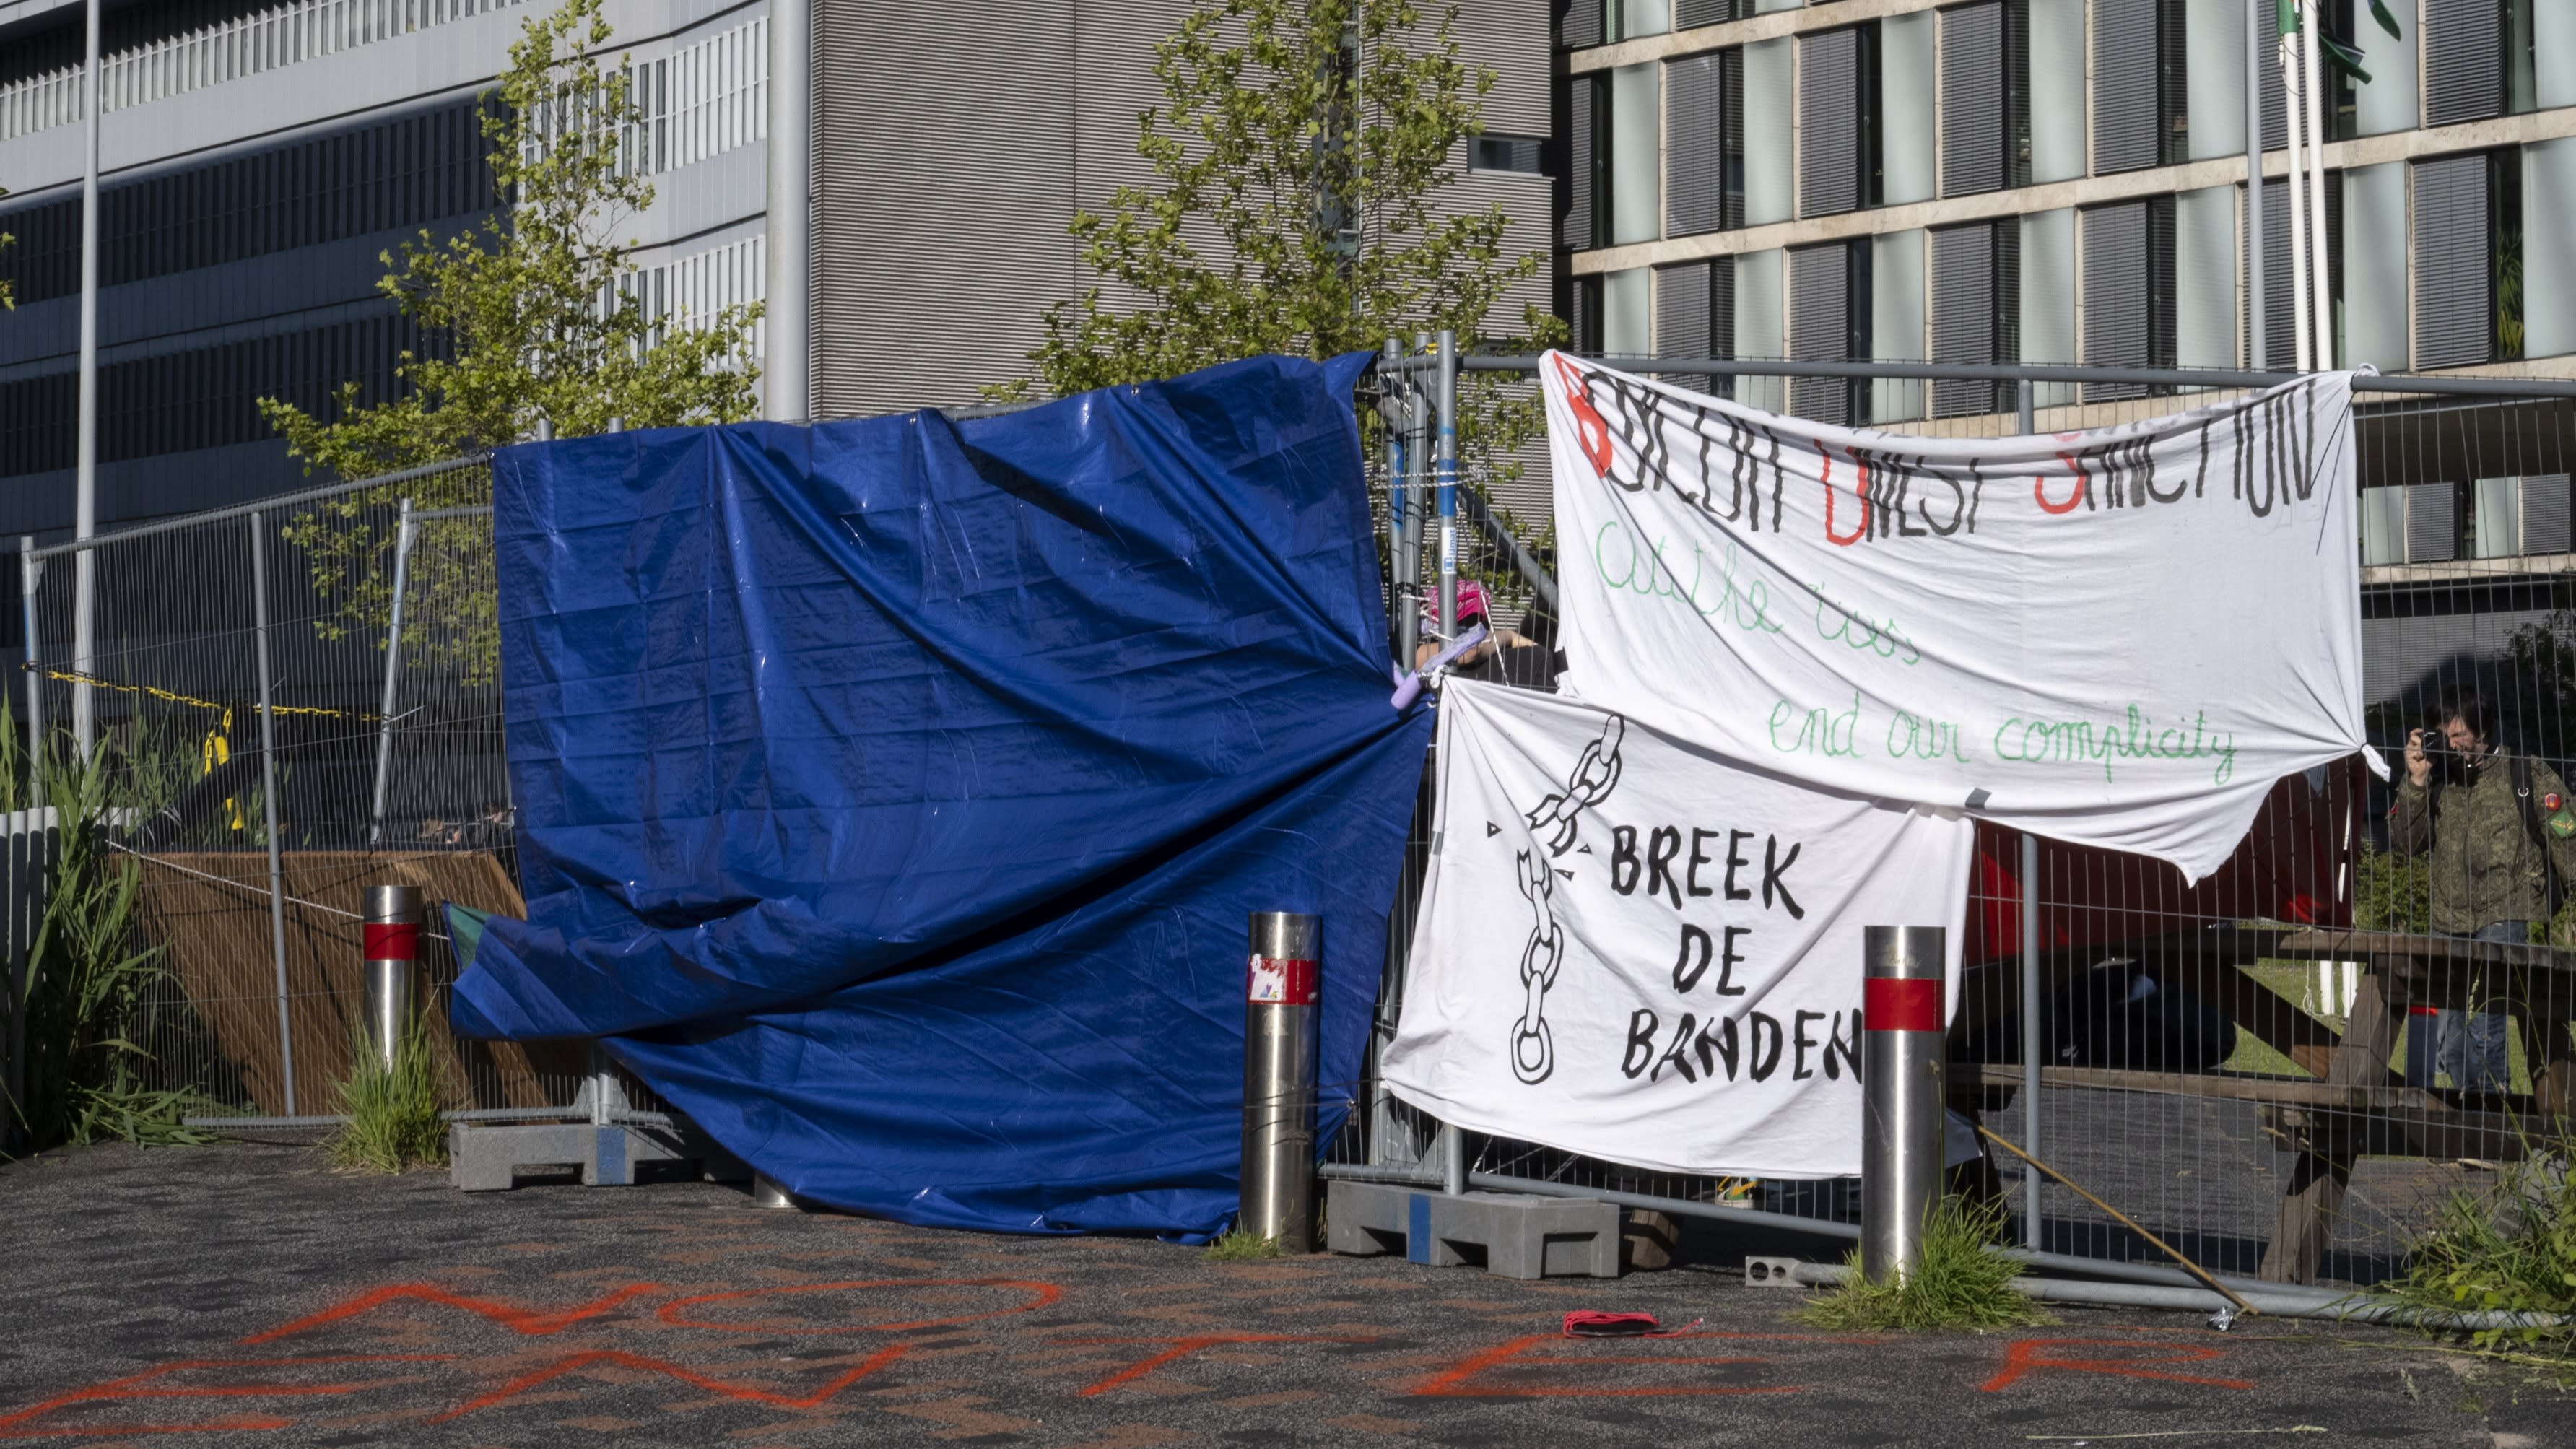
1838,161
1976,311
1830,321
1522,154
2129,308
2141,112
1587,207
1704,143
1985,97
2504,252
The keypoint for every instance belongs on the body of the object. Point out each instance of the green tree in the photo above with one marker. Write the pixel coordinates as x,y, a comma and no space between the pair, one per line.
534,323
1303,151
8,288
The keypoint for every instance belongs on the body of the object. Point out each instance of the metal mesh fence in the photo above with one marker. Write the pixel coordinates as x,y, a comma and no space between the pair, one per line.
2248,1068
2233,1066
362,618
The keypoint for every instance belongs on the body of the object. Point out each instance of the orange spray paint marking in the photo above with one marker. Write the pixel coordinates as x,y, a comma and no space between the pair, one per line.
130,1388
1457,1382
2024,1355
742,1392
1183,1347
1042,1294
529,1321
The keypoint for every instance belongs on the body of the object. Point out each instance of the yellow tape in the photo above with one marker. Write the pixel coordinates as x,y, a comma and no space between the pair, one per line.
174,697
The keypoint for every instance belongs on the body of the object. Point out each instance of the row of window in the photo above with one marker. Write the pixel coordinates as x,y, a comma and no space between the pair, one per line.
412,171
2429,265
206,398
230,49
1993,94
2465,518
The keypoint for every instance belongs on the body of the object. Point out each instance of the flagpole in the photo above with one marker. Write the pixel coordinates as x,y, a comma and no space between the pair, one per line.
2321,280
2294,135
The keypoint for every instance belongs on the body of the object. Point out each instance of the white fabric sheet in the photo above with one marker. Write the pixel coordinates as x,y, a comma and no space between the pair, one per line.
2116,638
1632,949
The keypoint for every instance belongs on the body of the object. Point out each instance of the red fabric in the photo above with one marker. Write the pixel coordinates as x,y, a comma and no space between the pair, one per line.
1891,1005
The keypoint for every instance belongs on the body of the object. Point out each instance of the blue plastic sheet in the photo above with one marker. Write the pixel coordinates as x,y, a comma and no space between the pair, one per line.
892,794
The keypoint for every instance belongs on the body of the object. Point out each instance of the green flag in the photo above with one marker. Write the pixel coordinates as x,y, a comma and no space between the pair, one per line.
2387,22
2286,17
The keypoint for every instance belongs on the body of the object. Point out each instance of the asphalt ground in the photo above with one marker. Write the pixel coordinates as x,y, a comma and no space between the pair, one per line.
247,1294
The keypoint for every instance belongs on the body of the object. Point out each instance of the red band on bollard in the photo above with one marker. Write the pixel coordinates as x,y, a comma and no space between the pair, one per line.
392,941
2423,1011
1888,1004
1281,980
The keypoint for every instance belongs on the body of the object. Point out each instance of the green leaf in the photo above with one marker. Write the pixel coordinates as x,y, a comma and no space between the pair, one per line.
2388,22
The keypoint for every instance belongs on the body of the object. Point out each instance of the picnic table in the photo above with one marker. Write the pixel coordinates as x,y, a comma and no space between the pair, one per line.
2353,1105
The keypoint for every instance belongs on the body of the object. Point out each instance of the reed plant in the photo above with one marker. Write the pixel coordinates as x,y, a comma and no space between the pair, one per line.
393,1112
2509,1248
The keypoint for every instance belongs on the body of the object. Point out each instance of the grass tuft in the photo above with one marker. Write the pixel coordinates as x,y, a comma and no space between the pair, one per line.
393,1115
1238,1246
1959,1285
2510,1248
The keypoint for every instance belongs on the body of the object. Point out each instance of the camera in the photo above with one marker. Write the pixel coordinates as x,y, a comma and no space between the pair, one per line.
2435,744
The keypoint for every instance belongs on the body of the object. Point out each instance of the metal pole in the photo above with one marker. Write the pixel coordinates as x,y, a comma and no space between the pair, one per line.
787,393
392,973
1453,1159
30,571
1901,1096
1281,982
2320,279
1448,484
2257,344
1417,493
85,463
393,676
1399,536
2031,1007
268,798
2026,406
2289,61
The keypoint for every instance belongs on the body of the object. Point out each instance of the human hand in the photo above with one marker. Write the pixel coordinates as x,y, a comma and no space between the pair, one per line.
2418,768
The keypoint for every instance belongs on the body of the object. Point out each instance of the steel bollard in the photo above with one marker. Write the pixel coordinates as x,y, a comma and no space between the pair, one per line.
1280,986
769,1192
1901,1094
393,953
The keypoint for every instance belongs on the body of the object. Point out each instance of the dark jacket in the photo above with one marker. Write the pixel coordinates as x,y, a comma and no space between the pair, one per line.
2485,867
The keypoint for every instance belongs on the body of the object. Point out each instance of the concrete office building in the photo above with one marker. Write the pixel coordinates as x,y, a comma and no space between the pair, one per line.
258,155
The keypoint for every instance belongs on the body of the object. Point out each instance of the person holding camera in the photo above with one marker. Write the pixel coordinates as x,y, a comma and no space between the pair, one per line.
2497,827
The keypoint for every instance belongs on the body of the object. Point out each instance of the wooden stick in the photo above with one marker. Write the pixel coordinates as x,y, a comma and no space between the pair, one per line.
2172,1252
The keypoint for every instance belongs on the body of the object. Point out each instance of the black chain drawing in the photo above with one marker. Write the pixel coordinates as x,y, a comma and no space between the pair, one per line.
1590,782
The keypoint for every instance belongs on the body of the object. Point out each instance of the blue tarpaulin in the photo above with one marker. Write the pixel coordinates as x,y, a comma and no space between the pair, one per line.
892,794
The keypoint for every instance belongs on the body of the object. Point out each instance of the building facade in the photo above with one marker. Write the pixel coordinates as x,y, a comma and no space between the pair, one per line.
257,157
2056,181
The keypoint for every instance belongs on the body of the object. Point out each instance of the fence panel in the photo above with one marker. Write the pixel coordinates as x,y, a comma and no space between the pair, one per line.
2185,1034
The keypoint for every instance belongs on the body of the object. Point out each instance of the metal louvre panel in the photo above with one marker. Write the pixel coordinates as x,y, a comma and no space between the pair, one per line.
2463,60
1972,99
1694,146
1721,323
1582,147
1963,304
1691,13
2117,311
2280,324
2124,86
1820,328
1582,25
1730,69
955,277
2544,513
1510,38
2432,522
1682,314
2276,121
1828,124
2453,326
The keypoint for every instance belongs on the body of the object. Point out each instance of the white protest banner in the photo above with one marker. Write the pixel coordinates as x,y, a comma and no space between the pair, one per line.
1632,949
2117,638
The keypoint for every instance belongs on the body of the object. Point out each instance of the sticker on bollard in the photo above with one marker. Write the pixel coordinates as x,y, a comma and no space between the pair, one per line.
1282,980
1897,1003
393,940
